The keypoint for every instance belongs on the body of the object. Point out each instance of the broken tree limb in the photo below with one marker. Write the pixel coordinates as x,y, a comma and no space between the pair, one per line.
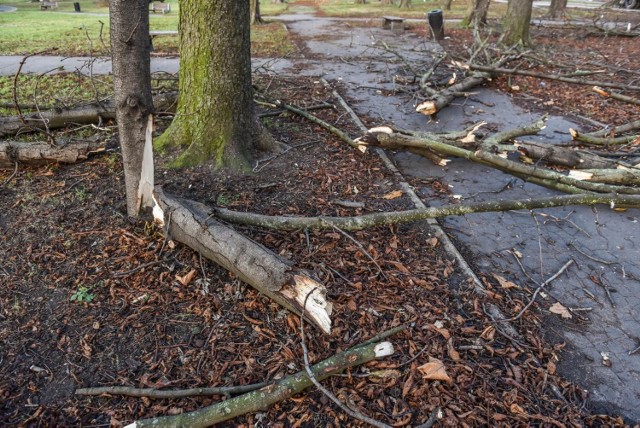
41,153
631,126
263,398
381,137
170,393
396,217
531,129
558,155
81,115
616,96
443,98
625,176
601,141
498,70
191,223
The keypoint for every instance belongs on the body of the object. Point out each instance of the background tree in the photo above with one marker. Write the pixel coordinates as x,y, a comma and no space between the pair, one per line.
256,18
557,9
517,22
477,14
215,118
130,49
405,4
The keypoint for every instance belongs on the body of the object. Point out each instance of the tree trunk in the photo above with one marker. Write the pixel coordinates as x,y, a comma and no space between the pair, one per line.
130,47
41,153
516,23
557,9
477,14
256,18
215,117
405,4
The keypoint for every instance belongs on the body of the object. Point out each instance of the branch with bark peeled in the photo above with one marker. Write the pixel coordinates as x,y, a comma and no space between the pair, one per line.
41,153
281,390
190,222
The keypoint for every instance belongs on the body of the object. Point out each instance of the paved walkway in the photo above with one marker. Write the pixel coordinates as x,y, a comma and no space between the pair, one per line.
603,243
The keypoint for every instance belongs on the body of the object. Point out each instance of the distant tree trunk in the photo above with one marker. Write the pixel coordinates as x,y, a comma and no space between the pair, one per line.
256,19
215,118
477,14
516,23
387,2
130,49
278,1
360,1
557,9
405,4
447,4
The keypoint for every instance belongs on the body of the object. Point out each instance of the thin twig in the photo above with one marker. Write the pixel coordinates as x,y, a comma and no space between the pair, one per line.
15,82
353,413
538,290
634,351
15,171
433,418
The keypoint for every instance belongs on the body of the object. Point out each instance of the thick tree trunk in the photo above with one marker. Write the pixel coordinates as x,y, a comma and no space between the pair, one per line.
516,23
256,18
215,118
190,223
130,49
404,4
557,9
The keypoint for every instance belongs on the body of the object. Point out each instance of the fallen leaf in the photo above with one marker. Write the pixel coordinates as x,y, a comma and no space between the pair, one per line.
551,367
557,308
393,195
453,354
388,373
434,370
504,283
488,333
514,408
186,279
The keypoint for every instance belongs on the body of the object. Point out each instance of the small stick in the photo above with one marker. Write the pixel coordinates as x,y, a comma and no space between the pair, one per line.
538,290
634,351
15,171
171,393
366,253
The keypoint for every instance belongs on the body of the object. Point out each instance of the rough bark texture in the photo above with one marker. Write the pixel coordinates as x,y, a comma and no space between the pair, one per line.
516,23
263,398
42,152
190,223
557,9
443,98
215,117
130,49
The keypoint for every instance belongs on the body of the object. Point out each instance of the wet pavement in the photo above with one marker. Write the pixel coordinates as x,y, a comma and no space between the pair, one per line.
603,243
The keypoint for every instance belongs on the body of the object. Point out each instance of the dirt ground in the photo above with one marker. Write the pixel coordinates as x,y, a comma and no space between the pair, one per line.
89,297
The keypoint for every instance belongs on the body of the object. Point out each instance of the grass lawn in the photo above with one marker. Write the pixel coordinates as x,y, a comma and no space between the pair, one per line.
61,31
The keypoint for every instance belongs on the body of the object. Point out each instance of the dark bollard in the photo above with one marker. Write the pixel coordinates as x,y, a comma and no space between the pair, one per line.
76,7
436,22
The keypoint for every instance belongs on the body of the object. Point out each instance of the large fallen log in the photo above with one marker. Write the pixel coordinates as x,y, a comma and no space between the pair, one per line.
263,398
563,156
441,99
190,222
81,115
41,153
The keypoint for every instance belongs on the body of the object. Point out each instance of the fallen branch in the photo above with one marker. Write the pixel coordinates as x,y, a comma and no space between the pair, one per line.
498,70
631,126
190,223
172,393
263,398
385,137
396,217
624,176
602,141
563,156
40,153
616,96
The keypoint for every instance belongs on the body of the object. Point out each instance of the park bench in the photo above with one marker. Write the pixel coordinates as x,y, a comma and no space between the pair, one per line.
160,7
48,5
392,23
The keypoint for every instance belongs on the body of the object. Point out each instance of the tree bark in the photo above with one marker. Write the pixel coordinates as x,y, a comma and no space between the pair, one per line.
563,156
557,9
263,398
404,4
443,98
130,47
477,14
41,153
190,223
516,23
215,117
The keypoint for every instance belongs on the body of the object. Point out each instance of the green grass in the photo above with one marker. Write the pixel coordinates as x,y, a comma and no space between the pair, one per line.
63,32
